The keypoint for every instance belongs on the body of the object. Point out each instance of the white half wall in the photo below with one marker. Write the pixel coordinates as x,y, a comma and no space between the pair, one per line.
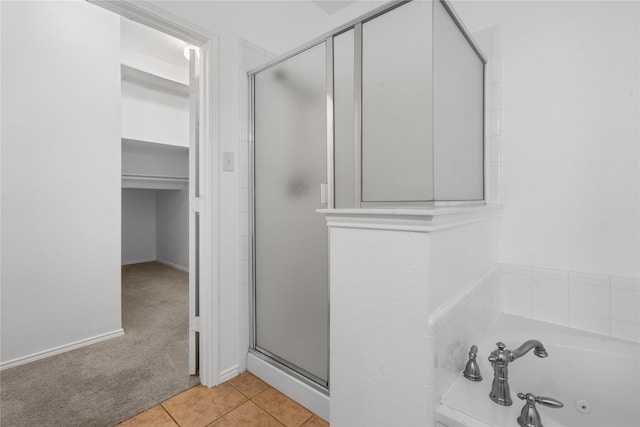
138,226
60,171
571,126
407,294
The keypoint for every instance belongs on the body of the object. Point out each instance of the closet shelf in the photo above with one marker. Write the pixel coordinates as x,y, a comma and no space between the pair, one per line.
157,82
153,182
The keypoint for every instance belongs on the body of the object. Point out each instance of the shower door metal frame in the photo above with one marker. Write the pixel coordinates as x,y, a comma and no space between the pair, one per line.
327,39
299,373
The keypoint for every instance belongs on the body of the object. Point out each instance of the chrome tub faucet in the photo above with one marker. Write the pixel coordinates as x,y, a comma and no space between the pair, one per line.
500,359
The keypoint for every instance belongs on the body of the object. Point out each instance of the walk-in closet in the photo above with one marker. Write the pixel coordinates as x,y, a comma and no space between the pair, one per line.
157,116
155,147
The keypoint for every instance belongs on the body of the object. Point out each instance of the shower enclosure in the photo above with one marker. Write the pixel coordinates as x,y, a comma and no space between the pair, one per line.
384,111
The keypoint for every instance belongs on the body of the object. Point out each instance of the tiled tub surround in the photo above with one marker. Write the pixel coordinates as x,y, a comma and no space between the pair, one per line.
489,40
410,292
604,304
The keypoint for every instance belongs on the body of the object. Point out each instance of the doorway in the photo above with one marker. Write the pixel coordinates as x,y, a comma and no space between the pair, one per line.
204,206
159,122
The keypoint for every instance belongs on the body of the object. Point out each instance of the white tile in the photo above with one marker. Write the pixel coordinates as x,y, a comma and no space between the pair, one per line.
243,128
625,282
625,305
446,378
243,224
496,44
524,270
548,292
551,315
625,330
243,152
243,200
494,149
493,195
588,278
589,323
496,71
589,299
431,366
445,342
243,176
516,287
243,297
495,123
516,307
549,273
243,247
243,81
496,96
243,105
494,175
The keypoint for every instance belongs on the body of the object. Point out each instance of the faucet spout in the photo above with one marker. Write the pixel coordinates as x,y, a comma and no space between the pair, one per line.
535,345
500,359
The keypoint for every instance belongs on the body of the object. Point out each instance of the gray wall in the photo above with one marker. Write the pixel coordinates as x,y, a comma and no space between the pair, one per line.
60,169
172,227
138,226
155,226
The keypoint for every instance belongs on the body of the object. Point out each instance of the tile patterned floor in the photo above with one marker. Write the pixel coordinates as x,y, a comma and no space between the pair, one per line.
242,401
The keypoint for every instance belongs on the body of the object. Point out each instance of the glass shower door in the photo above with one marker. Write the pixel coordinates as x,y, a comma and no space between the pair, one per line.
291,297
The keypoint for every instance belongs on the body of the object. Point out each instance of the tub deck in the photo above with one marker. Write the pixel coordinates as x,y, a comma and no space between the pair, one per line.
596,377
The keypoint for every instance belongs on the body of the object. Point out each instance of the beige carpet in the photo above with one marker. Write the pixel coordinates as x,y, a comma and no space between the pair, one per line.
106,383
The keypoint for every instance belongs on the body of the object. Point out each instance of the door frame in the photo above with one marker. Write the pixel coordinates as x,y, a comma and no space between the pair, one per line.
209,143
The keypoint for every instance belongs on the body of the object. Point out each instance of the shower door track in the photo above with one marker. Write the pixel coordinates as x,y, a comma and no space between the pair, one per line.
300,374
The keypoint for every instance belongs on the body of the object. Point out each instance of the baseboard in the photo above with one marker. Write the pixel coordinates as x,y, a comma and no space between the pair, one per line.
171,264
61,349
229,373
138,261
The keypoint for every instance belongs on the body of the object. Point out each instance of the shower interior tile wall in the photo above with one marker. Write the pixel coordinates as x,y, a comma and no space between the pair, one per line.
608,305
474,314
489,41
250,56
466,322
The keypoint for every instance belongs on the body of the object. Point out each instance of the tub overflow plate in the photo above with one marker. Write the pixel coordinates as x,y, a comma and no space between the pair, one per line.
583,406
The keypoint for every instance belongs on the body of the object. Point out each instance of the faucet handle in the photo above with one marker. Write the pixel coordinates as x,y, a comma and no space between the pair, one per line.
546,401
472,370
495,354
529,415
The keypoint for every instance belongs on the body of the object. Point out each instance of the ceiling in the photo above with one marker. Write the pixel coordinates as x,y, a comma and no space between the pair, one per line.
276,25
332,6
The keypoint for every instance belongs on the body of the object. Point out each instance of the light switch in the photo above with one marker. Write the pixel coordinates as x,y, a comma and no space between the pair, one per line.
227,161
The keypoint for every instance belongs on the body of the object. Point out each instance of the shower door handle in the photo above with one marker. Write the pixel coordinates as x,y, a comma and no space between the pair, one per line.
323,193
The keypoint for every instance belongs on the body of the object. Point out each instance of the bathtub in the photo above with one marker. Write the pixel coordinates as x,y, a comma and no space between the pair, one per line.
597,378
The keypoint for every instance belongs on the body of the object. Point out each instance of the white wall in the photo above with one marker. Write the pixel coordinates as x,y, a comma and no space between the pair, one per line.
153,115
138,226
60,176
571,165
149,114
398,338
